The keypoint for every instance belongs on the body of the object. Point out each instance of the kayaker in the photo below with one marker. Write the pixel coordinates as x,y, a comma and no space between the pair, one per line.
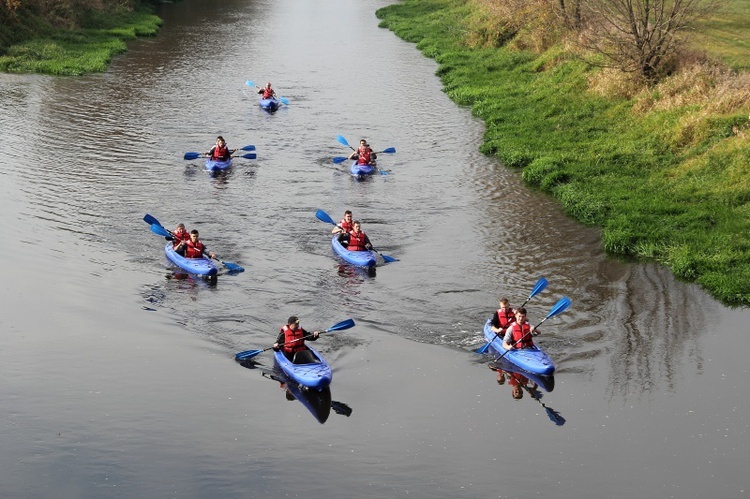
267,91
220,151
503,316
345,224
292,339
519,332
364,154
180,237
355,239
194,248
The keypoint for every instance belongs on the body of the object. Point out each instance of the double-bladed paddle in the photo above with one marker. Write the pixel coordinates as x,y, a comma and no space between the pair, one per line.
251,83
158,228
196,155
341,159
538,288
561,305
249,354
325,217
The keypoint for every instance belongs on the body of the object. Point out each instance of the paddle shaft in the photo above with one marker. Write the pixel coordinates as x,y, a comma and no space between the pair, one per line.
520,339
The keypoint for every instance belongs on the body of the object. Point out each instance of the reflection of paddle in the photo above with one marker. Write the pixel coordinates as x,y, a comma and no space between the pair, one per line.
249,354
561,305
552,414
538,288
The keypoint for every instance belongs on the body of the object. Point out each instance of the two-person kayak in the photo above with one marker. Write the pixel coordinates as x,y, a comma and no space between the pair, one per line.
316,374
199,266
532,360
366,258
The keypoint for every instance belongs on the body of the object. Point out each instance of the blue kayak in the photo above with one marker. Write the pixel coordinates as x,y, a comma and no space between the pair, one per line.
532,360
269,104
315,375
547,383
365,258
318,402
198,266
362,170
217,165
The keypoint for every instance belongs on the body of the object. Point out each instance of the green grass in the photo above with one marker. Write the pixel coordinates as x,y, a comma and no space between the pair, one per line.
671,186
76,52
726,34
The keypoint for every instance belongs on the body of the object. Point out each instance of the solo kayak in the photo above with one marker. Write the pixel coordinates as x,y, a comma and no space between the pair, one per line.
217,165
532,360
361,170
366,258
316,374
199,266
269,104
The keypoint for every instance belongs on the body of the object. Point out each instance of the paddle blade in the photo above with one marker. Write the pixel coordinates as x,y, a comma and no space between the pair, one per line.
387,258
390,150
559,307
159,230
284,100
324,217
250,83
540,285
348,323
249,354
483,348
150,219
247,148
192,155
250,155
342,140
233,267
339,159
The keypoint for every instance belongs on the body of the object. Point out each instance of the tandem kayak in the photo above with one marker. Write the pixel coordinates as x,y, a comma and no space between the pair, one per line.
269,104
532,360
218,165
315,375
367,258
198,266
362,170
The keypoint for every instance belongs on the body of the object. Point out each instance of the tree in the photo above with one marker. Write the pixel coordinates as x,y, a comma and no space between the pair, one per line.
640,36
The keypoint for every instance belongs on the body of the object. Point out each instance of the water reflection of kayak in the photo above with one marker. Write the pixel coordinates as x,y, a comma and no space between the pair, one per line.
318,402
547,383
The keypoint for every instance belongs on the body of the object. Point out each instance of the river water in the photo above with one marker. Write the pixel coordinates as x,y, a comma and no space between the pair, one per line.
118,377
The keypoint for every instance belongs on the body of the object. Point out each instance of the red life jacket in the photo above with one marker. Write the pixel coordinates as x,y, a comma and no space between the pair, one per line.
267,93
505,317
346,226
520,331
516,379
364,155
290,336
357,241
220,152
194,250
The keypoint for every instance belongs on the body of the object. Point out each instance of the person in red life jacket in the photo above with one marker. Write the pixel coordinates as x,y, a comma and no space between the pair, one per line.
345,225
180,237
220,151
355,239
194,248
364,155
292,340
267,91
518,334
502,317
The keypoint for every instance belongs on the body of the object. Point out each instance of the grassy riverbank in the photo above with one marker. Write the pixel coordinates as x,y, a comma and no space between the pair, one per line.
664,171
30,45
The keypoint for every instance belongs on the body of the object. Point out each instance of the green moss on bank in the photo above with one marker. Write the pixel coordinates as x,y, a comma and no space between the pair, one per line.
669,185
61,51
